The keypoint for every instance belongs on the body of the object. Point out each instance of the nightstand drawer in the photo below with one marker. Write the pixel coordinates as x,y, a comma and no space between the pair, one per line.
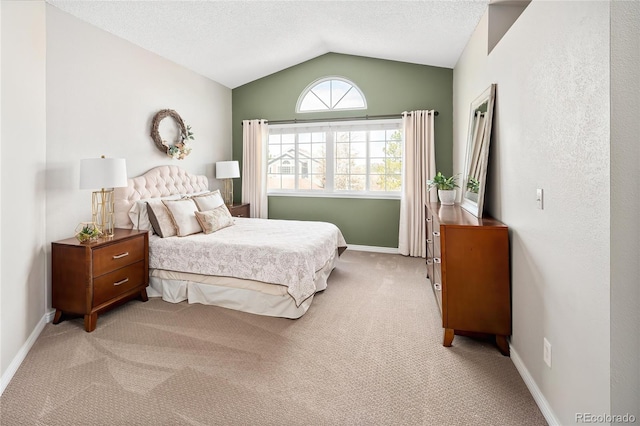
117,282
114,256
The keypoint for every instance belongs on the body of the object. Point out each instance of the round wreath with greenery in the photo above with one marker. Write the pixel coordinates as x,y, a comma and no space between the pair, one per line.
180,148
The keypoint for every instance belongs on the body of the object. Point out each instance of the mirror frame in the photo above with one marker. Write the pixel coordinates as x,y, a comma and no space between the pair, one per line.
475,207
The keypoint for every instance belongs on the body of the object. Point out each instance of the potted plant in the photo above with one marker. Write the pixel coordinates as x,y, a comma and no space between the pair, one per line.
446,188
87,232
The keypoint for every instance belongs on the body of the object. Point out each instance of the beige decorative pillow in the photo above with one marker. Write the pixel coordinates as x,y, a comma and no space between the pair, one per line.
139,213
214,220
182,213
160,219
209,201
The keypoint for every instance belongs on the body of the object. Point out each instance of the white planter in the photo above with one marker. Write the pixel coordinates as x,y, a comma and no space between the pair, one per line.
447,196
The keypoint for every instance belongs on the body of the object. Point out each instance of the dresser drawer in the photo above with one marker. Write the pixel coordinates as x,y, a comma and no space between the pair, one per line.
115,283
114,256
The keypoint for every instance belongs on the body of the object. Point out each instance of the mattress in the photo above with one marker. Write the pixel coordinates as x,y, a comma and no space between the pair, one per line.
234,293
282,252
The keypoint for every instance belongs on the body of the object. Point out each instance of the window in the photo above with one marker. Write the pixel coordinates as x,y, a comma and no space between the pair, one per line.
352,159
332,93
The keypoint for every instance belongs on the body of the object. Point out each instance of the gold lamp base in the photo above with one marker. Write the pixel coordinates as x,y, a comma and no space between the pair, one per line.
227,192
102,211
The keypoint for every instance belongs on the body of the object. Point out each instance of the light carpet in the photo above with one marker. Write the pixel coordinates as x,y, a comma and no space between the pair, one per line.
368,352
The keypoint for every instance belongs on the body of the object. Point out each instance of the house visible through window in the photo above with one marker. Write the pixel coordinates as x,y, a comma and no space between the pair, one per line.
355,159
331,93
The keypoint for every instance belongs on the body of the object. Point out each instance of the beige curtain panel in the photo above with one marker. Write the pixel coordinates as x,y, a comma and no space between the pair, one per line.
419,166
255,134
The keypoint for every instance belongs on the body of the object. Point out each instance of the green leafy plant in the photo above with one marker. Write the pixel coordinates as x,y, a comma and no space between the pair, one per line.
473,185
440,181
88,233
188,135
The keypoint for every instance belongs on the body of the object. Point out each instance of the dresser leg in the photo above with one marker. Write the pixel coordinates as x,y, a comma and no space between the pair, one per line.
143,295
57,317
90,322
503,345
448,337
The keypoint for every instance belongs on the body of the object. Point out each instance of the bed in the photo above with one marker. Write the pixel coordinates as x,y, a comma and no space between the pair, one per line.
262,266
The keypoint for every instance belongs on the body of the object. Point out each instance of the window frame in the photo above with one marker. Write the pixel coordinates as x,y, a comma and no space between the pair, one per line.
318,82
331,128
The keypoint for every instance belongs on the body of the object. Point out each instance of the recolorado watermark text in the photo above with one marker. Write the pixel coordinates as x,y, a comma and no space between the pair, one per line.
605,418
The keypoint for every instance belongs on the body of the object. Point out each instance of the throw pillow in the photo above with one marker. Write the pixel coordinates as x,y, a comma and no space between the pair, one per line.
208,201
160,219
183,217
139,215
214,220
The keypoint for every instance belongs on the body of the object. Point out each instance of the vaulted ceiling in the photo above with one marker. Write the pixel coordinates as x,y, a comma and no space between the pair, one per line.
236,42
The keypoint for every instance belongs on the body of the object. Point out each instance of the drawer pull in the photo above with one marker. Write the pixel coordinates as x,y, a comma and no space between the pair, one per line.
429,240
121,281
437,286
429,261
120,256
429,219
436,260
436,233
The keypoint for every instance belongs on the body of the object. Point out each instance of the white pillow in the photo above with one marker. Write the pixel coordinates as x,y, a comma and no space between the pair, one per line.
140,216
182,213
210,201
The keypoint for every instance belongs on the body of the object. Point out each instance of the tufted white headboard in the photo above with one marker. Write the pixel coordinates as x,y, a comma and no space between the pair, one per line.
158,182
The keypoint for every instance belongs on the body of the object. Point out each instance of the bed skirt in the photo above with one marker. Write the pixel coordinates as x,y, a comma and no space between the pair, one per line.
233,293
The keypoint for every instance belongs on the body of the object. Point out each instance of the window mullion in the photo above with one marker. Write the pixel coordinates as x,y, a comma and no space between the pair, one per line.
296,159
367,183
330,160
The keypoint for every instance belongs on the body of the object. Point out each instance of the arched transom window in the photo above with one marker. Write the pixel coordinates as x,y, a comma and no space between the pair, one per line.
331,93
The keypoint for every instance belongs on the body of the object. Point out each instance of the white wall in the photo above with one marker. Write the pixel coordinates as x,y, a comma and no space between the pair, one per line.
22,171
551,131
625,205
72,91
102,93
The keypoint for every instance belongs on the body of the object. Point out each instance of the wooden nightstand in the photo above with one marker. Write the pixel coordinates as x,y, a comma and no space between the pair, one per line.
90,278
240,210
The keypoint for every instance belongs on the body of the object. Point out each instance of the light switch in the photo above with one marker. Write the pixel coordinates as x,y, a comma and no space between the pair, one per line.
539,198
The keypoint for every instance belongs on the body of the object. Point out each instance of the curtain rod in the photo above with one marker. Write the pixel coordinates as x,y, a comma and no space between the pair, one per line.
320,120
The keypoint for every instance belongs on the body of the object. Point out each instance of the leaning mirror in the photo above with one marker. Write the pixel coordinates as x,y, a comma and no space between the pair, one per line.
478,140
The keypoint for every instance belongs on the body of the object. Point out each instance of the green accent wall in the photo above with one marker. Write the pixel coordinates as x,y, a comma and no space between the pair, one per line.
389,87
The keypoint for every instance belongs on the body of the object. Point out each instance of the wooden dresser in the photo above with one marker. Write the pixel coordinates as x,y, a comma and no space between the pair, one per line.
468,265
92,277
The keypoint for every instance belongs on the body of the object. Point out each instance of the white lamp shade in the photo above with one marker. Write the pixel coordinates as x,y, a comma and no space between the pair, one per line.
96,173
227,169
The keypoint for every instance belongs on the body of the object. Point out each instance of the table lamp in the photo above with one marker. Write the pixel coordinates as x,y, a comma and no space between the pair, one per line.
104,173
227,170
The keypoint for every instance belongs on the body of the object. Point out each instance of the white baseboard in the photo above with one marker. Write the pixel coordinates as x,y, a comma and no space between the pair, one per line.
50,316
388,250
544,406
24,350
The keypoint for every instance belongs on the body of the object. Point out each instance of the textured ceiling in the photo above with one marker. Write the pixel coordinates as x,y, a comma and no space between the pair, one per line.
235,42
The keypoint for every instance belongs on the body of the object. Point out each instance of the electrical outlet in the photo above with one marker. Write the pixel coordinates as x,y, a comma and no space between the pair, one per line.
539,194
546,352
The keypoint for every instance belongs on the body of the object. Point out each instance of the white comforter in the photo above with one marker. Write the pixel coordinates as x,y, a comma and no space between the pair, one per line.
284,252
